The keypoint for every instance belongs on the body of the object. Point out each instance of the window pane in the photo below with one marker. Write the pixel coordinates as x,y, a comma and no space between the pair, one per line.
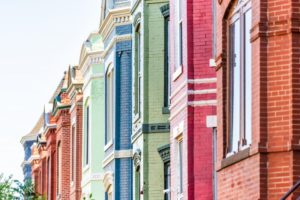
248,78
87,135
235,84
180,168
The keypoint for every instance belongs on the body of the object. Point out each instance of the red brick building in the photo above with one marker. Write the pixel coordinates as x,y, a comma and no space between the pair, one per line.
258,75
60,112
75,83
193,99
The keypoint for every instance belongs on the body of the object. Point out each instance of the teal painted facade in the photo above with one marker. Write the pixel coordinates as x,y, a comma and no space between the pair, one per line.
92,68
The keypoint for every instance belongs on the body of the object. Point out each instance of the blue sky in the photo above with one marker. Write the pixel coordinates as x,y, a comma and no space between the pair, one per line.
38,40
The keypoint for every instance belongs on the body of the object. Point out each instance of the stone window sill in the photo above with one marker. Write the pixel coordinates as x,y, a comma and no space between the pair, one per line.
235,158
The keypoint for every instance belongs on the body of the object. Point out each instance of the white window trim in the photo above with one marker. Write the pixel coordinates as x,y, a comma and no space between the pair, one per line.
109,143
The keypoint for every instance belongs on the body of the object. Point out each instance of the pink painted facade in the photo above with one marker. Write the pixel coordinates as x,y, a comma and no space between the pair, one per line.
193,100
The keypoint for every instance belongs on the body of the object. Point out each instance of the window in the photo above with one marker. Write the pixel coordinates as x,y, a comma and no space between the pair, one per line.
73,152
49,178
87,135
59,169
110,99
137,72
180,166
240,77
167,79
167,180
179,45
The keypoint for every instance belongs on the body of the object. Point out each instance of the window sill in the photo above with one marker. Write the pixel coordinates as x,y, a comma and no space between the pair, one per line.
177,73
108,145
235,158
165,110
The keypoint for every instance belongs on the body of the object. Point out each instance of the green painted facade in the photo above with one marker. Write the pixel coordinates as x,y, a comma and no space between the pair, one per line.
151,126
93,111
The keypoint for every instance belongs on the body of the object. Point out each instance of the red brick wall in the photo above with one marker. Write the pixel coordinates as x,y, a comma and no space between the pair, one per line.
273,164
187,100
76,113
51,154
63,136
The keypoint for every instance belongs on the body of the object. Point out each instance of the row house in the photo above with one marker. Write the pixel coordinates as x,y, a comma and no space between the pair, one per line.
192,99
150,99
257,63
92,118
27,141
116,30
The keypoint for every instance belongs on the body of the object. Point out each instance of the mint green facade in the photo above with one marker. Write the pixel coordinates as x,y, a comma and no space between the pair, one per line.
151,124
92,69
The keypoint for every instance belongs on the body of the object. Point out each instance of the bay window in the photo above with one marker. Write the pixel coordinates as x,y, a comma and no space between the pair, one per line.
110,99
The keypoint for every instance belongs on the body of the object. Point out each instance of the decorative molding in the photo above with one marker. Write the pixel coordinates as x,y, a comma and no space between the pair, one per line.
137,20
116,155
108,180
92,177
164,153
156,128
116,39
202,80
205,91
202,103
137,159
115,17
89,59
165,10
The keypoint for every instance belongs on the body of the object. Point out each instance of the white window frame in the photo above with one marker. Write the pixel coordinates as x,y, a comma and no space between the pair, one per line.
110,118
239,139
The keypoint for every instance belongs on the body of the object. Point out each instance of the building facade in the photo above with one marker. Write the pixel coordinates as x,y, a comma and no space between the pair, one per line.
75,84
92,70
258,91
193,99
61,115
150,99
27,141
115,29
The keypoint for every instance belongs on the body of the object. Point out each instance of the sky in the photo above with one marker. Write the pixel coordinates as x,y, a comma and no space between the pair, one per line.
39,39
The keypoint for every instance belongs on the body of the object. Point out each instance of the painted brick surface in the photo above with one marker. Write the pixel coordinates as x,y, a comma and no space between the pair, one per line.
186,100
273,153
152,27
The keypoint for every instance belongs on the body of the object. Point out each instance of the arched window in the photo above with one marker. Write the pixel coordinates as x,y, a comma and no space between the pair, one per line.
240,76
137,69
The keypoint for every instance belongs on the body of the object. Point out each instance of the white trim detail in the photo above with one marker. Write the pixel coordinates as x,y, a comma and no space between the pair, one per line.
178,130
202,80
116,39
211,121
92,177
115,155
202,103
206,91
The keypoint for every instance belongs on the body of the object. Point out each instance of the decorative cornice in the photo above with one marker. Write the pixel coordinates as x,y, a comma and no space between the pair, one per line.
118,16
89,59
